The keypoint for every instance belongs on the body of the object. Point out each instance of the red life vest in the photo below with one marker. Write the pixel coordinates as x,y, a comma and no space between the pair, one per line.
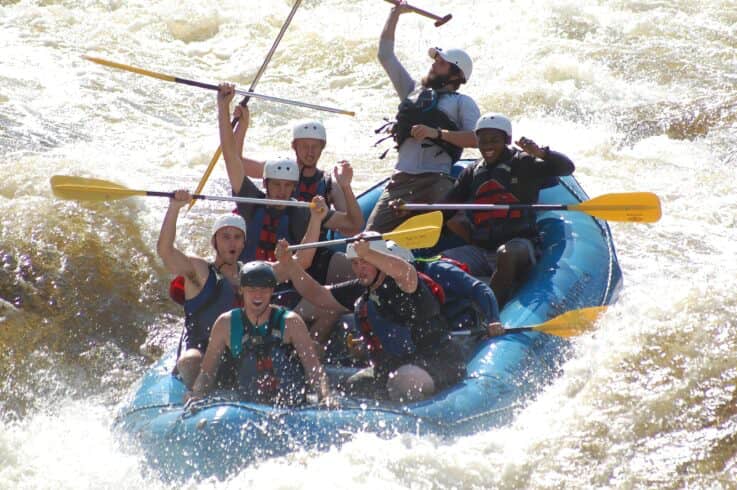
309,187
500,184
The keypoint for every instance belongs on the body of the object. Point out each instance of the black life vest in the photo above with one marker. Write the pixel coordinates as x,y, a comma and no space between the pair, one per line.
422,110
396,324
501,184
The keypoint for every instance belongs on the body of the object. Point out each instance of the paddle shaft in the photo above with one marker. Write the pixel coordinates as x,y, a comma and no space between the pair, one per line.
244,101
246,200
330,243
469,333
486,207
210,86
438,19
269,55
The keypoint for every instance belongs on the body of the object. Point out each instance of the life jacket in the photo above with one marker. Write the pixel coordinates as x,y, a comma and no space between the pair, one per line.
216,297
397,324
309,187
422,110
500,184
260,366
266,226
469,303
317,185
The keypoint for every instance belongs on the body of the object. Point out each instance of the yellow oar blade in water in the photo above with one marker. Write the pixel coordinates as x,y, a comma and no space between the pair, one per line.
571,323
641,207
86,189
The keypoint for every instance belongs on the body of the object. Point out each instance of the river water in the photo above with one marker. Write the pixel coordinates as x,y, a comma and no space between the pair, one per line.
639,93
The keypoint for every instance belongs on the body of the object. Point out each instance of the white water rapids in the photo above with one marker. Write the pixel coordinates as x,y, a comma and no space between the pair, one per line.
639,93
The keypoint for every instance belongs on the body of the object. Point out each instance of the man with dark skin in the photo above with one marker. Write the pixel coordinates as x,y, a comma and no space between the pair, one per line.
501,243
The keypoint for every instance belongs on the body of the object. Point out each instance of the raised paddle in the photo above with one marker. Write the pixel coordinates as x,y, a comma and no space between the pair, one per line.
210,86
244,101
569,324
638,207
438,20
421,231
85,189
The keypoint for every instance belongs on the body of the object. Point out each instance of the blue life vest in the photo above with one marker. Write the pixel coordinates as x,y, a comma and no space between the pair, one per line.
266,226
216,297
470,303
265,369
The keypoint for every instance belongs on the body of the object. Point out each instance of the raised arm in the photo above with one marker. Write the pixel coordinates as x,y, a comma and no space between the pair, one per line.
312,234
296,333
192,268
252,168
395,267
228,143
349,221
306,286
553,164
401,79
219,338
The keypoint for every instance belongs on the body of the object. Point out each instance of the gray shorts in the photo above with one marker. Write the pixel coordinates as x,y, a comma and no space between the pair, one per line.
482,262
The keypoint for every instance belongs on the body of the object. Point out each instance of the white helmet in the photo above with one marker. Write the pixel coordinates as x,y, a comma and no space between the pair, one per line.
230,219
400,252
309,129
493,120
456,57
284,169
378,245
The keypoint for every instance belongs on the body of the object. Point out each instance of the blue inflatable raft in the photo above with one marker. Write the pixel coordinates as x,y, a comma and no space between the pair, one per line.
578,268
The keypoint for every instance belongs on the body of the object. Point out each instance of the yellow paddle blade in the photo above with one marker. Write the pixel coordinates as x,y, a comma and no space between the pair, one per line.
84,189
572,323
121,66
421,231
423,237
638,207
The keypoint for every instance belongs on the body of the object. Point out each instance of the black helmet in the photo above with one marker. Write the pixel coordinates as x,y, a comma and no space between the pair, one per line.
258,274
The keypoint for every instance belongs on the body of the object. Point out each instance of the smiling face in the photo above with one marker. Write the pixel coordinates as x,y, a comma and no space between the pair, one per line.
229,243
256,300
492,143
308,151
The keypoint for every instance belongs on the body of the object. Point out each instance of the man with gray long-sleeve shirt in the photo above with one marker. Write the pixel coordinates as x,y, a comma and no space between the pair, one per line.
434,124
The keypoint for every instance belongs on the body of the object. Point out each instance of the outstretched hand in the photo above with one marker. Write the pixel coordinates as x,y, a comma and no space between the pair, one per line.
494,329
226,92
319,208
530,147
181,198
343,173
282,253
396,206
400,7
243,114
